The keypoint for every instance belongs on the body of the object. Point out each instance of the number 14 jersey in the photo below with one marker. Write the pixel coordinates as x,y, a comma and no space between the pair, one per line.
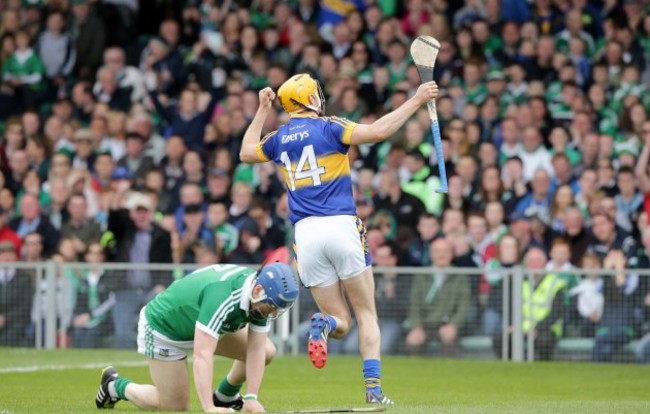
312,153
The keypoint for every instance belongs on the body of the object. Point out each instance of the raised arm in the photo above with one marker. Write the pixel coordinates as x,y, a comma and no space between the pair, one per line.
248,152
388,124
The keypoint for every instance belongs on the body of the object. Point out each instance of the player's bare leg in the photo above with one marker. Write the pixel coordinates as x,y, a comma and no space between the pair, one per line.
334,320
234,346
360,291
170,391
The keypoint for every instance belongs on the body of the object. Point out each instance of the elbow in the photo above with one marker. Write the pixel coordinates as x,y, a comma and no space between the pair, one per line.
246,157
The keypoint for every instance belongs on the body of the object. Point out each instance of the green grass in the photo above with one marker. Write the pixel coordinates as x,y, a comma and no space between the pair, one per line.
66,381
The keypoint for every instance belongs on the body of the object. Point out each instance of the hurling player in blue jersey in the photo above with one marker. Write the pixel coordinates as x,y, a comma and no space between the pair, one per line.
332,254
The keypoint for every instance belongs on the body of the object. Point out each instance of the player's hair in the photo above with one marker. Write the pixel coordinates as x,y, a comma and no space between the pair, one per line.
625,170
560,241
392,246
261,203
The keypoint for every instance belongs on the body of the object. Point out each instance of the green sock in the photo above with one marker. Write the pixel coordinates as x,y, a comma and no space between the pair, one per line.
120,387
226,389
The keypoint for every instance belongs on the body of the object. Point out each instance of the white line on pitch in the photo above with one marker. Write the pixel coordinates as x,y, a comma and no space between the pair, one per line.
94,365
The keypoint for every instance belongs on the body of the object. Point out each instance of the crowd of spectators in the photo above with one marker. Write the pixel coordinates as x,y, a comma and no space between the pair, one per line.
121,123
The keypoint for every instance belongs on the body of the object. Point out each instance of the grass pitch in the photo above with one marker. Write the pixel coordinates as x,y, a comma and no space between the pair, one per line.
65,381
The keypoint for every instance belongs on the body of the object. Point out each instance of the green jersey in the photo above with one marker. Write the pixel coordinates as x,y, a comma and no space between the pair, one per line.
215,299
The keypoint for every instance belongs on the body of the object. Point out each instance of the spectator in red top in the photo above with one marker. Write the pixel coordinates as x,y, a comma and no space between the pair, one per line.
7,234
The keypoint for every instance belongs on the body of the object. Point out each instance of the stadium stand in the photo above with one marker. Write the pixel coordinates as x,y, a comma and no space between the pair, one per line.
121,124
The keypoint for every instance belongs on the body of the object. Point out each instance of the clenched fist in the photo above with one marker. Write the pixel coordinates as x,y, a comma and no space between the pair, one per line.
266,98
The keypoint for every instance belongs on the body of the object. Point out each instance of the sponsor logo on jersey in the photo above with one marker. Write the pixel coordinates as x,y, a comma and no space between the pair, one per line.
294,137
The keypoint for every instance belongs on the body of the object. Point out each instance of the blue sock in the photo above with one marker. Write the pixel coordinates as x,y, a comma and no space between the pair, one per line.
372,374
331,324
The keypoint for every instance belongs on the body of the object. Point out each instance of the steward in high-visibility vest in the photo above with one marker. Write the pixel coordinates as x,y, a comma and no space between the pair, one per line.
542,312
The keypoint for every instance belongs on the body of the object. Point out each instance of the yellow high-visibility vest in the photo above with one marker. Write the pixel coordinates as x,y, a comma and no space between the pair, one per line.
542,302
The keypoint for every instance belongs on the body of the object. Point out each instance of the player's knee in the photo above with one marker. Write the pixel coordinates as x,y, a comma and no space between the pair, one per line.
178,405
271,350
342,327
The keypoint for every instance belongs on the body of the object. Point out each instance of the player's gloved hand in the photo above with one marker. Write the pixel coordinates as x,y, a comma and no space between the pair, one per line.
427,92
253,406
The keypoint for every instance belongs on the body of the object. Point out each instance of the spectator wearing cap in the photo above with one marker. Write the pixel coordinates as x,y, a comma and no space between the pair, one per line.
84,153
135,160
218,186
15,298
89,33
7,234
137,239
121,173
31,220
521,227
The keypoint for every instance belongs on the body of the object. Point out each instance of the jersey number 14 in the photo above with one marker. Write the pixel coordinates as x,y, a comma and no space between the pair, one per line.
307,167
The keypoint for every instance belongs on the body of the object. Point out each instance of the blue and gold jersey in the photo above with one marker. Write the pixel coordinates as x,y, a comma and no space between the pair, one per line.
313,156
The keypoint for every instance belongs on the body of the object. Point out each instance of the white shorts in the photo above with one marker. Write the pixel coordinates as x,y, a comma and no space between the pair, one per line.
153,344
330,248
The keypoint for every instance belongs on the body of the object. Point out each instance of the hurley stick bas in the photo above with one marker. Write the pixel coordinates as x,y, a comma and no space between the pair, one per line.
424,51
